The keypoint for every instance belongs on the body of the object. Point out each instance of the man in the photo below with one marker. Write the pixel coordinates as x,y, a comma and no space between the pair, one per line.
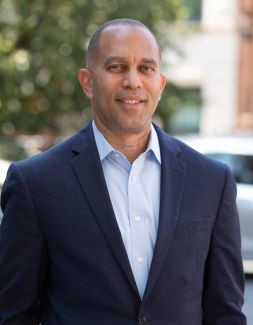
121,224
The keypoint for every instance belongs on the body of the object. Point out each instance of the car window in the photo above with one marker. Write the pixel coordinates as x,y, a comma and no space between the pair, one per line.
241,165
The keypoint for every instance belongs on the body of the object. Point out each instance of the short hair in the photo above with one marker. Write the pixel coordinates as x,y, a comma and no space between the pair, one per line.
93,45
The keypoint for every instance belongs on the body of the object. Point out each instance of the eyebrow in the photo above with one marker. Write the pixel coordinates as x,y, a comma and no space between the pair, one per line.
150,61
121,59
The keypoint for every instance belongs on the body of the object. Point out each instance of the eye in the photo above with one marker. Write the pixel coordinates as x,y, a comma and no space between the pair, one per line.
116,68
147,69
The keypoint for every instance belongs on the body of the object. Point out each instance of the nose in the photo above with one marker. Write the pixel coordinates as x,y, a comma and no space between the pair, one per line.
132,79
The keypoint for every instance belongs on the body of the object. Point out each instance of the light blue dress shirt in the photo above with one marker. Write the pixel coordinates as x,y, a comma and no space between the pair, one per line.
134,190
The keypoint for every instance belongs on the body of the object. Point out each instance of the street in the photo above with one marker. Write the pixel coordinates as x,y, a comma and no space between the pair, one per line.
248,304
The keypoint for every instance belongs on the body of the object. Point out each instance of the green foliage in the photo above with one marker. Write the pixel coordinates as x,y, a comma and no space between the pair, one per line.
42,47
10,150
194,8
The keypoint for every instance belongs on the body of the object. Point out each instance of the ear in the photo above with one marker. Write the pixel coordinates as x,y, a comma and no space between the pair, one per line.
85,79
163,81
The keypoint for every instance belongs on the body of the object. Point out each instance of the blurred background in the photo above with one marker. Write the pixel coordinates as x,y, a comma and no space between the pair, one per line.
207,58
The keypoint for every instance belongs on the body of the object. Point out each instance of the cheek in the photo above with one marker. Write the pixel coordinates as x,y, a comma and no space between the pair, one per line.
104,90
154,88
156,94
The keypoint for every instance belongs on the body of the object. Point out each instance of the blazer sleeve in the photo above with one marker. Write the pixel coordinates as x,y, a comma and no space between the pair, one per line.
22,254
224,277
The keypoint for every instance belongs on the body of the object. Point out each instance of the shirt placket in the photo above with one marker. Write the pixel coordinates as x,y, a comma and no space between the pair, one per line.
138,230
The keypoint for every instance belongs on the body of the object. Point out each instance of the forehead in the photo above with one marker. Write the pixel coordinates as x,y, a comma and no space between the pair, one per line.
128,41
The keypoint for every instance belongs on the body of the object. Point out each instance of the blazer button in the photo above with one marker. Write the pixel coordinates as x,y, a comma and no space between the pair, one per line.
142,320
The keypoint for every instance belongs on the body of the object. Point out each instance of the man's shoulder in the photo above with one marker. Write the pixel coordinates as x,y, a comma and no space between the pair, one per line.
191,157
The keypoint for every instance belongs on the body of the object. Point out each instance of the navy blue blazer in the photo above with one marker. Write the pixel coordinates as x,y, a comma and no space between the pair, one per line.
63,261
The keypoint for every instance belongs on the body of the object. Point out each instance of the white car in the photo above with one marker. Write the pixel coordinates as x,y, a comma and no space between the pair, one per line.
4,165
237,152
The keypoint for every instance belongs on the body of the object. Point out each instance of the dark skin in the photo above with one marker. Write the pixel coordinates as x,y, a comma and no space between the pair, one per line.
124,84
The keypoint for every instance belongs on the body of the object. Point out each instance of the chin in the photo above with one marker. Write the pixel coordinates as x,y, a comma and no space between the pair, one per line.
134,127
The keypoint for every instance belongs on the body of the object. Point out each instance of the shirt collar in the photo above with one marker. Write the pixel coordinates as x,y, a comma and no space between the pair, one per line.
105,148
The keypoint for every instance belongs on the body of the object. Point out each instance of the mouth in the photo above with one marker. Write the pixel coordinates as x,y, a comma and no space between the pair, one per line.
131,102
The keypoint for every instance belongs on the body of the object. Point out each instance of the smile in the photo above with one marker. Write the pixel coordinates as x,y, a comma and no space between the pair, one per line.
131,101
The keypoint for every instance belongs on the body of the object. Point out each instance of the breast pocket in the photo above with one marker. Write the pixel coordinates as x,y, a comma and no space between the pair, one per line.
193,226
190,244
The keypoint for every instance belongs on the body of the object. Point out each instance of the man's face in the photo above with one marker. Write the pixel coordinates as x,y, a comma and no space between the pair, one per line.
124,82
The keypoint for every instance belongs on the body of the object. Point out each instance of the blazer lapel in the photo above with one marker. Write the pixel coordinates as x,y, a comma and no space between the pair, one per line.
173,172
87,167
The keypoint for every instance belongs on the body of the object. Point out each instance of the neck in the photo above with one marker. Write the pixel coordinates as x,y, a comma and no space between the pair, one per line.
131,144
131,147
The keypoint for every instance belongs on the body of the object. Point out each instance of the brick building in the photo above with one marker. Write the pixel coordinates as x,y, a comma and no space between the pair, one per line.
245,93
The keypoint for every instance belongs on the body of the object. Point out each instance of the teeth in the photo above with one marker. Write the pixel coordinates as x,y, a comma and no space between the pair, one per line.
131,101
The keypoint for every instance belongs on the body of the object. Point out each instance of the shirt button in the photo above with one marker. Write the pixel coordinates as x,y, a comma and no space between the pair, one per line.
134,179
139,259
137,218
142,320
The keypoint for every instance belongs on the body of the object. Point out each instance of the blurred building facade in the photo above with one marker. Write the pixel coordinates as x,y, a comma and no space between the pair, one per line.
218,59
245,98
